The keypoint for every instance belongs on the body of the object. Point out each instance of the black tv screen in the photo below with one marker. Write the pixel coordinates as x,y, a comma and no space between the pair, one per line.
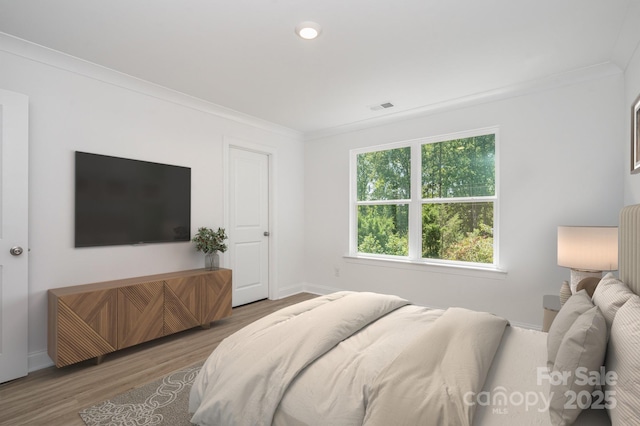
121,201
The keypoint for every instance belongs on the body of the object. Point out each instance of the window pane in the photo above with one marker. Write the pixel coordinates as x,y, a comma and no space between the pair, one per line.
384,175
458,231
383,229
459,168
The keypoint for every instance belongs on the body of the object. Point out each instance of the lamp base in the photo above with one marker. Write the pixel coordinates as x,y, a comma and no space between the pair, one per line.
578,275
565,292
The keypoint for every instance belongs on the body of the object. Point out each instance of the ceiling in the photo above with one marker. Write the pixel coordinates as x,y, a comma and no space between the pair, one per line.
244,55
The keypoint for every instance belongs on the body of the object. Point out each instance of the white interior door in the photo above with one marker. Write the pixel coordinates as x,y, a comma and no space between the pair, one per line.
249,225
14,111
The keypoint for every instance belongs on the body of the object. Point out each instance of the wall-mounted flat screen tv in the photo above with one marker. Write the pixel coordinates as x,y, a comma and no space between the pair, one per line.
121,201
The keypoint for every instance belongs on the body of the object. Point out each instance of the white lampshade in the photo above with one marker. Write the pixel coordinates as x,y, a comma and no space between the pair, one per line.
587,250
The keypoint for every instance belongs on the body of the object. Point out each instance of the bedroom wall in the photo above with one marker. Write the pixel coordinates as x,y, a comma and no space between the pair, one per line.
560,164
632,91
99,111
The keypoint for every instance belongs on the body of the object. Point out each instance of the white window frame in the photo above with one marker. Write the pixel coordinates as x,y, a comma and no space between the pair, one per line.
416,201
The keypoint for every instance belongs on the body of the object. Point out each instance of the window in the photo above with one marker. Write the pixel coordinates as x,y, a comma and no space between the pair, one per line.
429,200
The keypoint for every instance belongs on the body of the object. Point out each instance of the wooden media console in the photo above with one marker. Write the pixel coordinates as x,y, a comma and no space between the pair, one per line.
91,320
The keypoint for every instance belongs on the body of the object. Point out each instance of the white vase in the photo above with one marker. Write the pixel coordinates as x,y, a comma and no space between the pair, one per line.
212,261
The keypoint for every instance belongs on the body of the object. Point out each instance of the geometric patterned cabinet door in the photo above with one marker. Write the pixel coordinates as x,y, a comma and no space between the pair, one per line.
140,313
216,296
88,321
85,326
181,305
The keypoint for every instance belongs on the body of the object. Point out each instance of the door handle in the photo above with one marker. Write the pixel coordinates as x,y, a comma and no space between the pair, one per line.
266,233
16,251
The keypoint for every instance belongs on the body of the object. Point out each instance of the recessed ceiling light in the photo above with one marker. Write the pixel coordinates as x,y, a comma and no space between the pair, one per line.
308,30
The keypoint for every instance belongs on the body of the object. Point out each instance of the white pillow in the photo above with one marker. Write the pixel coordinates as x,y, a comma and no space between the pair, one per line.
623,358
581,352
576,305
610,294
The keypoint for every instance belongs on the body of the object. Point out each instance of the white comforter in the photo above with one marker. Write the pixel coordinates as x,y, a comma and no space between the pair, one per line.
268,372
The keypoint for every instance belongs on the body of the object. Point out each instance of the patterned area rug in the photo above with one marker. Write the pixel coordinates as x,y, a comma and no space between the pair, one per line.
163,402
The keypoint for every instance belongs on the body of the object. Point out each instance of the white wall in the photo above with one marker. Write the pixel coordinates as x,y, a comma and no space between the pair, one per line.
71,111
632,91
560,164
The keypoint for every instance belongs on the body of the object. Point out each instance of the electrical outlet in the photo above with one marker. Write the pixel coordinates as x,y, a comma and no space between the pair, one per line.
336,271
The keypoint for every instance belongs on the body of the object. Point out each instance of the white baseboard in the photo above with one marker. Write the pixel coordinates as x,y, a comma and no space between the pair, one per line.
38,361
306,288
536,327
320,289
290,291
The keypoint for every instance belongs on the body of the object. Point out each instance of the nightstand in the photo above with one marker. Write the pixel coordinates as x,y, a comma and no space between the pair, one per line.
551,305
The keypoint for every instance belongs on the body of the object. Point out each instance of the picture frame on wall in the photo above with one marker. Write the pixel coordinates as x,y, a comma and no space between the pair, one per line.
635,137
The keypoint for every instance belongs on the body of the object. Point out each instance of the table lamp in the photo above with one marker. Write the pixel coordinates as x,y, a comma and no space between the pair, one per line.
587,250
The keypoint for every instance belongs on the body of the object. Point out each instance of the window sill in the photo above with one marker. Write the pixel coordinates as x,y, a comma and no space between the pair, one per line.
490,272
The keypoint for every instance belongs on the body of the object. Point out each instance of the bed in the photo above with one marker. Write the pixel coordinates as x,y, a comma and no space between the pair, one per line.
370,359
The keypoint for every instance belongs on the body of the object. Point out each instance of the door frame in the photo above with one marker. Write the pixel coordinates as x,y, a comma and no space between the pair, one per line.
228,143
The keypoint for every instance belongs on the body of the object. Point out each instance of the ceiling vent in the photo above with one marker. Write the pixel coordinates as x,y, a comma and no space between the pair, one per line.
383,105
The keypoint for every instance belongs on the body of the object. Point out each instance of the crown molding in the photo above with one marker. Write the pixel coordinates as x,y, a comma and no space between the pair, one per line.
534,86
628,38
56,59
44,55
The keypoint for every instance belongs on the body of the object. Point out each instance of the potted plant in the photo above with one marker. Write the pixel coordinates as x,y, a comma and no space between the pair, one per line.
211,242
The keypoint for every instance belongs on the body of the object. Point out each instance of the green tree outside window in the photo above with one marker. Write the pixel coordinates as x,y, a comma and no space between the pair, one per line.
458,194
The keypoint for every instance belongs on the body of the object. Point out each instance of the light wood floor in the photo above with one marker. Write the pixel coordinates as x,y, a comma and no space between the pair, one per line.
54,396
